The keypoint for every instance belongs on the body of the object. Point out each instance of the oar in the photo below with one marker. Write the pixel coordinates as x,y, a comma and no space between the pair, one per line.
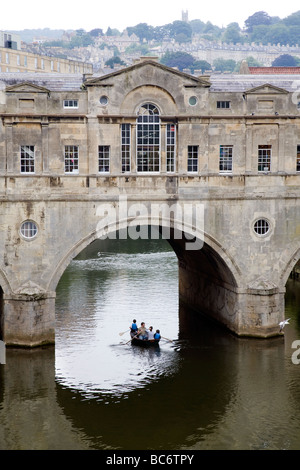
121,334
167,339
131,339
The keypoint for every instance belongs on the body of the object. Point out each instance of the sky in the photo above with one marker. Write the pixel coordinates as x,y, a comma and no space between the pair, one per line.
67,14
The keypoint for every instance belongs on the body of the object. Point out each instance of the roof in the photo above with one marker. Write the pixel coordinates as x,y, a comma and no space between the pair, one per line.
235,83
274,70
51,81
242,83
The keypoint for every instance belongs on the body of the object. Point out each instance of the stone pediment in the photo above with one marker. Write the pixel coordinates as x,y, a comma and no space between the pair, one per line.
262,286
266,89
30,289
152,66
26,87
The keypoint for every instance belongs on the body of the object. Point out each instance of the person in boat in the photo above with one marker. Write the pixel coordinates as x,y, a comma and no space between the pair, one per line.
133,328
157,335
142,332
150,333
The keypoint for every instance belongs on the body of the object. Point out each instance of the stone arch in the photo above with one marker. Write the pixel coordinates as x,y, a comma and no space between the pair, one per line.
289,264
149,93
4,289
209,278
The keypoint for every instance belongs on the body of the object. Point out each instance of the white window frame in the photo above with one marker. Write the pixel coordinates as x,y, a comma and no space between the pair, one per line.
264,158
71,159
104,159
226,159
28,230
126,147
71,104
148,139
192,157
223,104
27,159
171,148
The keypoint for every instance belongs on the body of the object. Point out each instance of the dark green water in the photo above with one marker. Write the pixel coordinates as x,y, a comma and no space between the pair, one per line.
206,389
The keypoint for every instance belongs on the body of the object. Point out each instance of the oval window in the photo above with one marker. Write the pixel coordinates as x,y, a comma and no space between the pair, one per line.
28,230
193,100
262,227
103,100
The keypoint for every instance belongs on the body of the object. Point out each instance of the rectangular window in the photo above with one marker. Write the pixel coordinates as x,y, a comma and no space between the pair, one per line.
171,147
264,158
71,159
225,163
298,157
70,103
223,104
103,159
126,148
193,158
27,158
148,144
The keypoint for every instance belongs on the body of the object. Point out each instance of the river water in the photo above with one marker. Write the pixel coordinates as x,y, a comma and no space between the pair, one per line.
203,388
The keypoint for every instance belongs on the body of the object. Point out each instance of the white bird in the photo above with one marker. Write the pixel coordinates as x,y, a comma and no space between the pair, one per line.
283,323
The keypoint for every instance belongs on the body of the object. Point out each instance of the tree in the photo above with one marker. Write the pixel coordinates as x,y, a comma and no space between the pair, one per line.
258,18
181,60
202,65
259,34
278,34
113,61
142,31
224,65
285,60
181,31
96,32
232,34
293,19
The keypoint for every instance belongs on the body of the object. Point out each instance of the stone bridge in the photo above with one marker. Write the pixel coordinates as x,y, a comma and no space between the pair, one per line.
212,163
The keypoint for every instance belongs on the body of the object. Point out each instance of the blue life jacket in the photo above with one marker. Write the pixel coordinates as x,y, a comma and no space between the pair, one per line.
134,327
156,336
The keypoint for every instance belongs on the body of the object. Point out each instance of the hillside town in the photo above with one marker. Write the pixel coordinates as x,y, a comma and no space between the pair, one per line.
100,52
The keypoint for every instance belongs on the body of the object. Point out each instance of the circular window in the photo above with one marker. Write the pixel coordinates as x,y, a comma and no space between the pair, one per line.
262,227
28,230
193,100
103,100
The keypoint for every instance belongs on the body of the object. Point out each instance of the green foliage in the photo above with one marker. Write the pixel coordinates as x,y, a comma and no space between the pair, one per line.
260,28
181,60
258,18
232,34
224,65
202,65
285,60
114,61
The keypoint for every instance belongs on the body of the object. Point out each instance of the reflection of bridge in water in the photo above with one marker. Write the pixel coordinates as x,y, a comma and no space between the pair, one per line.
209,400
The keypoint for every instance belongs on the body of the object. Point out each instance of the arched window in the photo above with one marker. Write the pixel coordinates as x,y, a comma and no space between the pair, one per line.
148,138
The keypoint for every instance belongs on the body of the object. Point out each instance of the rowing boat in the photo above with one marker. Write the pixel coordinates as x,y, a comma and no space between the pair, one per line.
145,343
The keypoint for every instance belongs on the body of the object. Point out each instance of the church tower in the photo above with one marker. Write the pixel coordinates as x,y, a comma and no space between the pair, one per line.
185,16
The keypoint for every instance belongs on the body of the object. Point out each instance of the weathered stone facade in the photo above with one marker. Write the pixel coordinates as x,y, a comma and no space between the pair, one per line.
73,150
